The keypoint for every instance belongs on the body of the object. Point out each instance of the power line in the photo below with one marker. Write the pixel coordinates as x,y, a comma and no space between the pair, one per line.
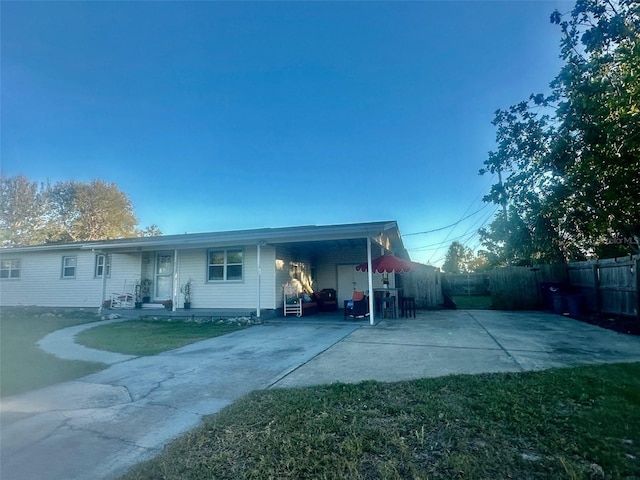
438,245
462,219
447,226
465,238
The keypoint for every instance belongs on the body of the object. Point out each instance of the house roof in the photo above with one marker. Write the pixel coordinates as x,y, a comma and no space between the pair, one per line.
301,235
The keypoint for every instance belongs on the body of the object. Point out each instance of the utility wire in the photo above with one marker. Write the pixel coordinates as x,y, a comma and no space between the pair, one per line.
468,236
462,219
448,226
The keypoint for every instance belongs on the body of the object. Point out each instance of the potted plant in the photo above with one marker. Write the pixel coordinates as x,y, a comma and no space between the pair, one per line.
168,304
186,292
138,295
145,287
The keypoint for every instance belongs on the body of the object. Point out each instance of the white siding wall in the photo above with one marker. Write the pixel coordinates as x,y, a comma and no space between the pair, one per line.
291,265
268,299
192,264
41,281
284,257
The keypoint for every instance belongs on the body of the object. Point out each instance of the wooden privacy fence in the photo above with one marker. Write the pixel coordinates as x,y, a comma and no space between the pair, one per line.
604,286
609,286
518,288
468,283
424,284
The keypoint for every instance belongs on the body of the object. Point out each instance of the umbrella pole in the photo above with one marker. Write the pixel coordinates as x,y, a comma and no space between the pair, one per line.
370,278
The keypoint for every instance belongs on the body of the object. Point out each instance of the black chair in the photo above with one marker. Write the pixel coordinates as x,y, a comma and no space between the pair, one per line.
329,302
387,305
408,306
356,308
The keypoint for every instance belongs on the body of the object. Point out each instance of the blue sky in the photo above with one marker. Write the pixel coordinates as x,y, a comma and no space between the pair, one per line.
231,115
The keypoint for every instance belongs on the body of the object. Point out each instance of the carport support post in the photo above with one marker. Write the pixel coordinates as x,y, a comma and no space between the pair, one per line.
370,278
175,280
104,283
259,278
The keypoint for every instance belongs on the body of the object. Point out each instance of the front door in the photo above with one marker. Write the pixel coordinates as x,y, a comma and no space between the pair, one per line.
164,276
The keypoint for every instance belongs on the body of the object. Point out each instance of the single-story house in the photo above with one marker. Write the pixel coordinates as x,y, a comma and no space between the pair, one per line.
241,270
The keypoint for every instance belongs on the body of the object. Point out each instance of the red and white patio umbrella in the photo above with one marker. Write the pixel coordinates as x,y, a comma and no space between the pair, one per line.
389,264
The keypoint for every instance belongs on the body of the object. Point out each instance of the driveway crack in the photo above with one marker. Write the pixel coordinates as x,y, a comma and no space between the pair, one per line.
289,372
522,369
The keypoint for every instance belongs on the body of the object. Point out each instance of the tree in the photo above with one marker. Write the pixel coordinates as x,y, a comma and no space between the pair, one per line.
65,212
23,219
92,211
480,262
598,110
457,259
568,164
150,231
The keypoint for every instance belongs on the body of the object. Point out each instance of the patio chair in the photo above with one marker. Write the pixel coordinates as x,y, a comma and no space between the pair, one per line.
123,300
357,307
292,302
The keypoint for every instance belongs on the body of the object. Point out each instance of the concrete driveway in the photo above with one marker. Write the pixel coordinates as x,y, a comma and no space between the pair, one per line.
102,424
448,342
99,426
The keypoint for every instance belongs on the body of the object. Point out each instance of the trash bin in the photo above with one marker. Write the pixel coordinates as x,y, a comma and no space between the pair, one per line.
574,303
549,291
558,303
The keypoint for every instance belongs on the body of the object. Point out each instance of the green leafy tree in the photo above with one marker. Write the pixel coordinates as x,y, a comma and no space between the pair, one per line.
457,258
480,262
150,231
65,212
568,164
92,211
24,217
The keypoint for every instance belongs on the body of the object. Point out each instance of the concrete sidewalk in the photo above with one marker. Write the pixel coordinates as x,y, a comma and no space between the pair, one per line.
100,425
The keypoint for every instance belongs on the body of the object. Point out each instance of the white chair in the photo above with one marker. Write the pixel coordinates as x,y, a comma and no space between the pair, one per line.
292,303
124,299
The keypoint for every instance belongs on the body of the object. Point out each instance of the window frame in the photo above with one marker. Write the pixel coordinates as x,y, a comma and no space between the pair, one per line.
11,268
225,265
63,274
106,263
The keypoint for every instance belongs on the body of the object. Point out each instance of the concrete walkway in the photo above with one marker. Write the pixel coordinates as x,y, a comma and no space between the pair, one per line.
61,343
100,425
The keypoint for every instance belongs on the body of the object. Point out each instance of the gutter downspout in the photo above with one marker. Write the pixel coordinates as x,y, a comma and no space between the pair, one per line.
370,279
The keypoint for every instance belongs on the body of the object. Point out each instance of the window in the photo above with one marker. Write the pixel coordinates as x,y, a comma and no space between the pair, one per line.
69,267
10,268
103,263
225,265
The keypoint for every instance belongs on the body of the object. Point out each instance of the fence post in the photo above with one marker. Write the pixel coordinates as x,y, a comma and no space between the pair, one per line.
637,267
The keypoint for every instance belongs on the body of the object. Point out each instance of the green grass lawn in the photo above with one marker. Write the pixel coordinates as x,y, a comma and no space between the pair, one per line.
150,337
23,366
579,423
475,302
